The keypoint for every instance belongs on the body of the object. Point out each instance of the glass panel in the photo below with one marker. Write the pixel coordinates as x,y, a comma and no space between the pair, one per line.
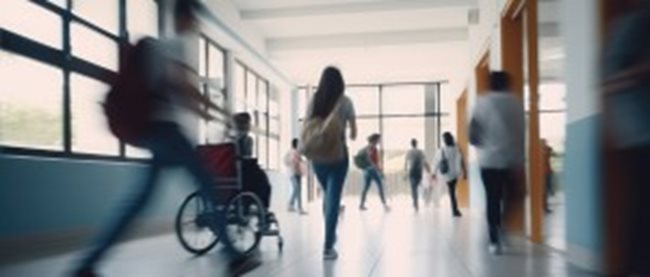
90,133
552,96
447,99
397,139
365,99
274,125
93,47
303,101
262,95
141,153
47,29
552,128
142,19
240,88
103,13
251,91
403,99
216,64
203,65
262,154
274,156
215,132
31,113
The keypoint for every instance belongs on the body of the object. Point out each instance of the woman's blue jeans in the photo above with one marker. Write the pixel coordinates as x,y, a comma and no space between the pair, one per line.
331,177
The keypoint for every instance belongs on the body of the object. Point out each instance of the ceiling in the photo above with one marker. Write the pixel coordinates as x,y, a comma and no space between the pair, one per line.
377,40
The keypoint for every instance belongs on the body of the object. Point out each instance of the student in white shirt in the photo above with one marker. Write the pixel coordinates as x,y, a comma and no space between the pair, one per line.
450,155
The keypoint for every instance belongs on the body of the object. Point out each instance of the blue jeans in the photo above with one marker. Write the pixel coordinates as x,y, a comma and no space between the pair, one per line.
296,192
372,174
169,148
331,177
415,183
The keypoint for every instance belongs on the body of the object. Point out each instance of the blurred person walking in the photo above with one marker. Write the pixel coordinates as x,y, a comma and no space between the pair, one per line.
373,171
294,162
414,164
497,131
449,167
627,119
323,142
154,78
547,155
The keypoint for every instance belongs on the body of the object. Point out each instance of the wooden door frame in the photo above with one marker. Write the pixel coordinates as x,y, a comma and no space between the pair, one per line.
462,140
517,15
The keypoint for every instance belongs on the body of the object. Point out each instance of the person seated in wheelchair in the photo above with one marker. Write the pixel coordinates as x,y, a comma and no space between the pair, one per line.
254,179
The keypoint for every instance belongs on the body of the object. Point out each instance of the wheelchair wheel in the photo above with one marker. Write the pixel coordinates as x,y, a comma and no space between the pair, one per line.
245,217
193,225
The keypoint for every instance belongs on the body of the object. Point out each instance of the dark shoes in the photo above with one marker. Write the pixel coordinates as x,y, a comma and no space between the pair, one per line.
458,214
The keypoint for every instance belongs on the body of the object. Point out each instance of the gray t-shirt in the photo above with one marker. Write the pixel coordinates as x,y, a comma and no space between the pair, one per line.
498,120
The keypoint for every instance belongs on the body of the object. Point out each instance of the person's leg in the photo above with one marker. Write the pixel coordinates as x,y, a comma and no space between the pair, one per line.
452,197
335,184
380,185
493,193
298,192
294,192
367,179
322,172
414,191
637,161
124,218
547,192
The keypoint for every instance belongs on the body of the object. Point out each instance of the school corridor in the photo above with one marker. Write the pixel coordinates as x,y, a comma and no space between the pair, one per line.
229,89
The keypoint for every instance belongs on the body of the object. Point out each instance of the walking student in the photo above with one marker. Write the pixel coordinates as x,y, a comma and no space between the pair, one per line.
449,167
373,172
294,162
323,139
414,165
497,132
154,79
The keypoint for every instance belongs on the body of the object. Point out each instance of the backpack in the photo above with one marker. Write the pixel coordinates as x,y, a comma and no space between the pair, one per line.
361,159
444,163
128,104
321,138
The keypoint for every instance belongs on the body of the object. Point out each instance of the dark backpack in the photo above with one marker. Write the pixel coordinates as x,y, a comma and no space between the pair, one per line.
361,159
129,103
444,163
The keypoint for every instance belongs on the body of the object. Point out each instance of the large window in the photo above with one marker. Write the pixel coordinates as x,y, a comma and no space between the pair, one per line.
51,94
89,130
253,94
212,75
399,112
31,114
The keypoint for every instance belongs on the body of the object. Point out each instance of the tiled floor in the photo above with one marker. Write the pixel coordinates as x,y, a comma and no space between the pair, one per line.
372,243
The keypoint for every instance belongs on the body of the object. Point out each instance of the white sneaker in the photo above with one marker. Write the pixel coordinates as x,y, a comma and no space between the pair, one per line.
495,249
330,254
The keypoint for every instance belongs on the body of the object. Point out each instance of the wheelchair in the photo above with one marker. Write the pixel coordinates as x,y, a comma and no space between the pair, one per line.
238,218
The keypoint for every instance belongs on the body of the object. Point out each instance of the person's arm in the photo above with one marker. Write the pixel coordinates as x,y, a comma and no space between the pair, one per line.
353,129
426,165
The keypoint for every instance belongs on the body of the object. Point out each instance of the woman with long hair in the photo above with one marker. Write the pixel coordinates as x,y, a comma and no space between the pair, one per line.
331,175
449,166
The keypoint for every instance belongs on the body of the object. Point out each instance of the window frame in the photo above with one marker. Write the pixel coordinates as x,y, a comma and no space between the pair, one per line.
64,60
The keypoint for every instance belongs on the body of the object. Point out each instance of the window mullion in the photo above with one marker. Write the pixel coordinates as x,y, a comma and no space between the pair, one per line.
67,54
